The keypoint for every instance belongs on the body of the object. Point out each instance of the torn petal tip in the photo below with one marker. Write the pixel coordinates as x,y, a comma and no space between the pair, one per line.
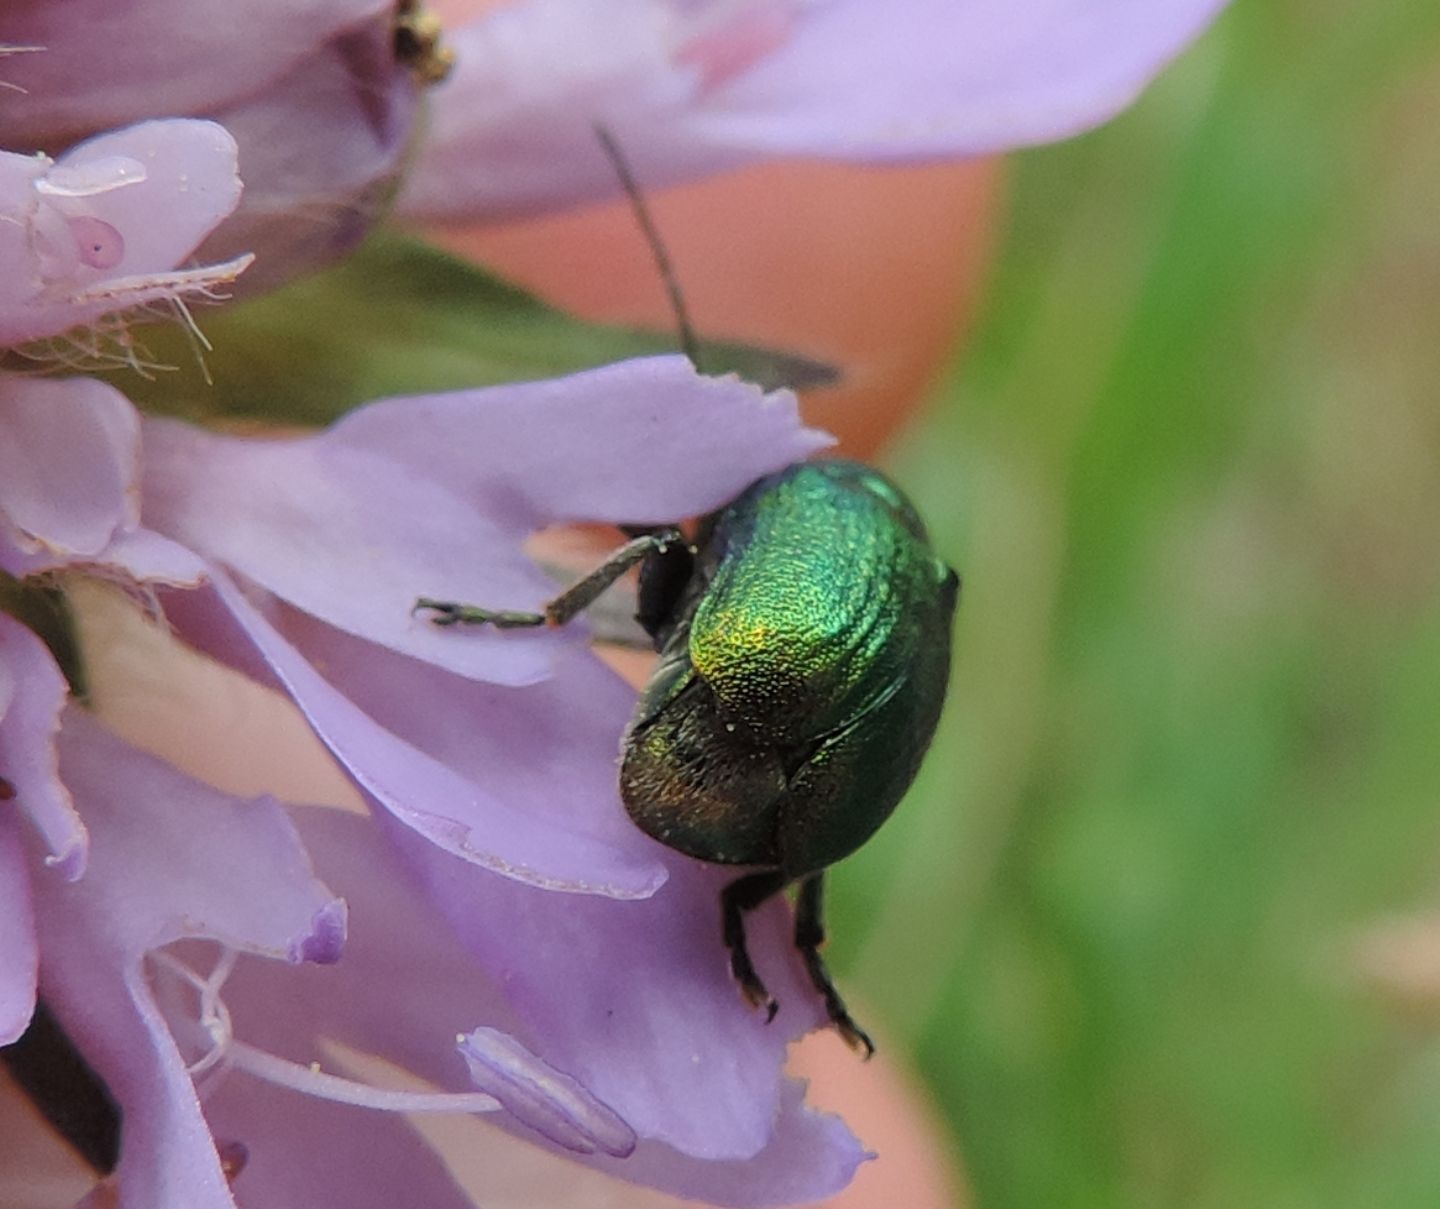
70,861
326,938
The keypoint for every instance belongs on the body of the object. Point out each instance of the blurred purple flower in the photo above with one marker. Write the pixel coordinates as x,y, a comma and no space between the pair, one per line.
99,65
311,89
691,87
600,1018
324,110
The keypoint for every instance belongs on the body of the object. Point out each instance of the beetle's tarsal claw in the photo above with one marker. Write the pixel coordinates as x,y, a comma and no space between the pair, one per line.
443,612
742,895
855,1036
809,936
450,612
751,988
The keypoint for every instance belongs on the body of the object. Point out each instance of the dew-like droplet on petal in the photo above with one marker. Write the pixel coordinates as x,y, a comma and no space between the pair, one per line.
103,174
101,245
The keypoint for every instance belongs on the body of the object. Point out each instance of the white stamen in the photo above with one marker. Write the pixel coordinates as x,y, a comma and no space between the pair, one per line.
308,1080
214,1015
313,1082
105,342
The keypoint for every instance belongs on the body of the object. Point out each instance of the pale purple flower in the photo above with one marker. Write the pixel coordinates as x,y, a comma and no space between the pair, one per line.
512,939
99,65
690,87
321,149
100,231
580,961
311,89
170,860
125,857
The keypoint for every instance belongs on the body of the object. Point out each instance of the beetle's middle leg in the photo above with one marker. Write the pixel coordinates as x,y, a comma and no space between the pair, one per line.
809,936
742,895
563,607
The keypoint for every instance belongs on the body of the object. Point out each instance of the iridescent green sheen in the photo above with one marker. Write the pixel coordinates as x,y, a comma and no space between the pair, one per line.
804,647
801,675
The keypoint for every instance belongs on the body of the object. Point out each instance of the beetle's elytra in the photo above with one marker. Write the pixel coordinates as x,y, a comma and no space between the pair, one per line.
804,641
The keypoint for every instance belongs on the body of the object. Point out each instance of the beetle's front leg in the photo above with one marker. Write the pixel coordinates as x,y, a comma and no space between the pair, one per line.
809,936
450,612
742,895
563,607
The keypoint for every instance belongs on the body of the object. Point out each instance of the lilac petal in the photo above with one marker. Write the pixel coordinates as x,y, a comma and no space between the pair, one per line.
693,88
511,131
943,79
103,64
462,815
642,440
547,750
148,558
406,988
32,694
433,495
395,982
810,1157
28,231
171,859
308,1154
68,467
348,535
19,957
101,230
186,183
68,485
653,1007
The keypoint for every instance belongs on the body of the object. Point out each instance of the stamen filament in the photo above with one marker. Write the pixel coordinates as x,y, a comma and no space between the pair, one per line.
214,1018
312,1082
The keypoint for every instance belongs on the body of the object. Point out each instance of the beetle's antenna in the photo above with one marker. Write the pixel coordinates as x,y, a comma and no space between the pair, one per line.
689,345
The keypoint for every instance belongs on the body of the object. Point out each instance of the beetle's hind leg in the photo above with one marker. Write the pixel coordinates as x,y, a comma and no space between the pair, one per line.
742,895
563,607
809,936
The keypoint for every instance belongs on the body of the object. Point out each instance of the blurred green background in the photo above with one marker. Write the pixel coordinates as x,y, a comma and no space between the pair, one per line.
1190,469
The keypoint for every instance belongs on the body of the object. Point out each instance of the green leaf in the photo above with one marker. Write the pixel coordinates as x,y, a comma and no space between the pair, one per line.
397,318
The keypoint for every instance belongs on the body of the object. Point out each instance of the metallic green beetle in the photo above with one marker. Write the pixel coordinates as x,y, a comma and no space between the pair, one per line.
804,641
